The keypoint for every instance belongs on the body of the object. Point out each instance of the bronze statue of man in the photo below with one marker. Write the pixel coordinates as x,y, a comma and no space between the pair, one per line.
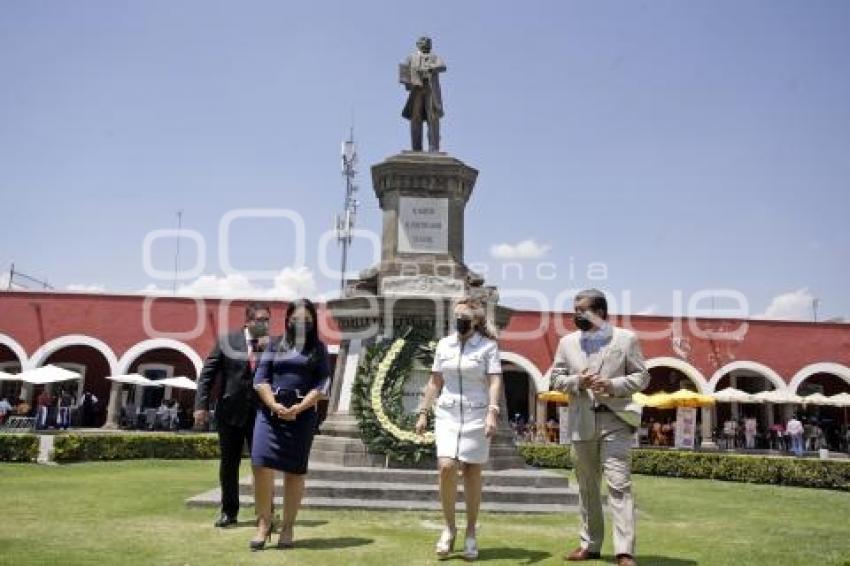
420,76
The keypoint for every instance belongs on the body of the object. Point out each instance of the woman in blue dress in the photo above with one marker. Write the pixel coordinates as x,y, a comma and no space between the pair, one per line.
292,376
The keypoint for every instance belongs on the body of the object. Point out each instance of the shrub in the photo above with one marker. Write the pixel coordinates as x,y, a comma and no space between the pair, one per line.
77,447
824,474
18,447
828,474
546,455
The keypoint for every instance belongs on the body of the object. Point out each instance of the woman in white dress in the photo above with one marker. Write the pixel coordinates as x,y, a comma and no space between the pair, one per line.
467,375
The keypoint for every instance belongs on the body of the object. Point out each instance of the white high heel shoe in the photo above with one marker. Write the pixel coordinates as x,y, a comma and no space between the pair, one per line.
446,544
470,549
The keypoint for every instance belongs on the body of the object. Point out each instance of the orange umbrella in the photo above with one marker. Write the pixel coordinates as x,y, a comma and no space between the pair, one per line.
554,397
654,400
681,398
688,398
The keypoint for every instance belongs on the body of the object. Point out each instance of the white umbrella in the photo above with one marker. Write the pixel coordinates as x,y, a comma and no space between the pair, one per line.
48,374
9,376
765,396
816,399
180,382
133,379
840,400
732,395
788,397
778,397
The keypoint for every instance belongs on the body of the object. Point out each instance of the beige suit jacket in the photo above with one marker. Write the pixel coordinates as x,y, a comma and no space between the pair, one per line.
620,360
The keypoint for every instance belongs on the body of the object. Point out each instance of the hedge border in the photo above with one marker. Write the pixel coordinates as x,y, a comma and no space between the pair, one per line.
771,470
86,447
18,447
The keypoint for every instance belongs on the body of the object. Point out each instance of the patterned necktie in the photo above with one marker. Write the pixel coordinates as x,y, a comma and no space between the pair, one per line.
252,354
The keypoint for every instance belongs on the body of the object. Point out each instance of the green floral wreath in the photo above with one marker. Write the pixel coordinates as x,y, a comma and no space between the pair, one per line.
377,394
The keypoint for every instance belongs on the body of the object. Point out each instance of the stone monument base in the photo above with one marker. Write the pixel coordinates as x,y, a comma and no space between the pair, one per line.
337,487
339,444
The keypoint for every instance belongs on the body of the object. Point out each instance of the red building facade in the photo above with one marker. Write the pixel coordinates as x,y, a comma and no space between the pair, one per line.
100,335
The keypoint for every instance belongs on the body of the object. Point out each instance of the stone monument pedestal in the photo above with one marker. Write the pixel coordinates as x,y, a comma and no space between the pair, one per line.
420,276
339,444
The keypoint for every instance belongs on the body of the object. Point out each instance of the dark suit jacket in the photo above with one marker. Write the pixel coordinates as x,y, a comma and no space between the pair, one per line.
236,403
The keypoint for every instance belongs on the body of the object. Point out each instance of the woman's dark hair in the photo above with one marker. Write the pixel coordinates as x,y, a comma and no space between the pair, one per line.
598,302
312,338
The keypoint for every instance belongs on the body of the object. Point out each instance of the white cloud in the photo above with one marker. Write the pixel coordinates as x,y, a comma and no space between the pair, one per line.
287,285
4,283
86,288
796,305
651,309
526,249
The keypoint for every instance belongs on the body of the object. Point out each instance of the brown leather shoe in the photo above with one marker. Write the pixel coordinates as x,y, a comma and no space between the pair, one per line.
580,554
625,560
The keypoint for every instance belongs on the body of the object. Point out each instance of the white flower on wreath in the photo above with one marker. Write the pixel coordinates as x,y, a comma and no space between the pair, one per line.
378,406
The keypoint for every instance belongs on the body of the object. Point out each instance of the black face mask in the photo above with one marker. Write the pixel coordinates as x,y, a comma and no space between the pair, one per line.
259,329
463,326
582,322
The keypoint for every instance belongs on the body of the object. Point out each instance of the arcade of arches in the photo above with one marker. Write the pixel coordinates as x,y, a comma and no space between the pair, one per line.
99,335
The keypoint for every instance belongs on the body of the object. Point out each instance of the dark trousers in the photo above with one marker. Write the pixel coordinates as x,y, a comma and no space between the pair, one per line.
422,109
231,440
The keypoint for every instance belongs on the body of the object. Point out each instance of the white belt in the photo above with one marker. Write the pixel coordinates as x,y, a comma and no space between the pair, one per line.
468,403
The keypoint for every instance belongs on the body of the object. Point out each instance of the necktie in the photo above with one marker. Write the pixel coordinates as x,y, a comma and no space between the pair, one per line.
252,354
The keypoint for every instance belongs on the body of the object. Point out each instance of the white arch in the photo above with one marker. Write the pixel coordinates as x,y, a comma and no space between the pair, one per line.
154,344
756,367
823,367
540,383
17,349
40,356
690,371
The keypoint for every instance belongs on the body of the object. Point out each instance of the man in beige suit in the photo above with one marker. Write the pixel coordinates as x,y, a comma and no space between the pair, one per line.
600,367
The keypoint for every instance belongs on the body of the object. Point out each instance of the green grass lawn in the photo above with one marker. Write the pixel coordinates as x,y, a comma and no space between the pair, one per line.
133,513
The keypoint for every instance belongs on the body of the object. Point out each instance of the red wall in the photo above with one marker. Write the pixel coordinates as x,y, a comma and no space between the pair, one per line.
785,347
34,318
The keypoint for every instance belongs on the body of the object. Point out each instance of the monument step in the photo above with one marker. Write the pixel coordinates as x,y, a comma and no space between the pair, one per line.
347,451
345,458
426,492
212,498
328,442
340,425
346,426
528,477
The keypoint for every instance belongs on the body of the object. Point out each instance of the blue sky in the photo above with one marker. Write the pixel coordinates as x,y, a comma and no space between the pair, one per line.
688,146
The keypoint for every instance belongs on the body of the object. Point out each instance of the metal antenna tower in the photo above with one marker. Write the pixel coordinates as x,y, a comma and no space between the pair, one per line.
345,220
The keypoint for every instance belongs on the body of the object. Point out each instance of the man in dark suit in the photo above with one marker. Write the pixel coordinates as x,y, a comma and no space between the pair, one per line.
231,364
